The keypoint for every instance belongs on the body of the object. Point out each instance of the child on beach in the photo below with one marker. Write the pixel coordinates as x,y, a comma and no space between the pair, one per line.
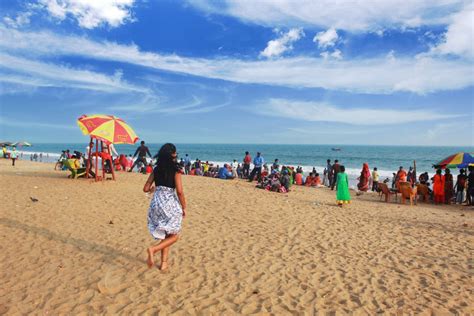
168,205
342,187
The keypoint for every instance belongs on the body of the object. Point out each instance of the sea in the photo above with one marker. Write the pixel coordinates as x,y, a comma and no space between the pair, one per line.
387,159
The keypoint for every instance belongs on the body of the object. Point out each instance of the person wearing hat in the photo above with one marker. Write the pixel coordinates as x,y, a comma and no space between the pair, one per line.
14,155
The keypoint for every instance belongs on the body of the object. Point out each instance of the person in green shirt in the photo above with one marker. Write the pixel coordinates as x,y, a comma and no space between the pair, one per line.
342,185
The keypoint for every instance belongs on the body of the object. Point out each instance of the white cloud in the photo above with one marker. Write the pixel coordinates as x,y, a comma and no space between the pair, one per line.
421,75
21,19
40,74
325,112
283,43
326,39
152,105
459,37
91,13
336,54
356,16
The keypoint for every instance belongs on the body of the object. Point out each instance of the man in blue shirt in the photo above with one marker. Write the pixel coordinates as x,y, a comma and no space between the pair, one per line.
258,162
224,173
187,164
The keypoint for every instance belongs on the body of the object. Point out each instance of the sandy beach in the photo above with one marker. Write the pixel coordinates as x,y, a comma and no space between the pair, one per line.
81,249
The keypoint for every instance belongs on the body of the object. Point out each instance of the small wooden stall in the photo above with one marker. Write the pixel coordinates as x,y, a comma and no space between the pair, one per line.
104,130
102,151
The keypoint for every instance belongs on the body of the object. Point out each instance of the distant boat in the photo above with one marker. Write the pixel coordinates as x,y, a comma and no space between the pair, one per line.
336,149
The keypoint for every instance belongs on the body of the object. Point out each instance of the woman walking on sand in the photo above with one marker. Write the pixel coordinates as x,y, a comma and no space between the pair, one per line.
167,207
342,187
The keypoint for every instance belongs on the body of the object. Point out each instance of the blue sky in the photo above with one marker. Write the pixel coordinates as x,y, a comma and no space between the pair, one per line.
198,71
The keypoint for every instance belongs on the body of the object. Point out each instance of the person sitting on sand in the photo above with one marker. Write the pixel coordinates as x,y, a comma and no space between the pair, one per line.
317,180
168,204
299,178
276,165
225,173
285,180
424,177
149,168
438,187
343,195
309,180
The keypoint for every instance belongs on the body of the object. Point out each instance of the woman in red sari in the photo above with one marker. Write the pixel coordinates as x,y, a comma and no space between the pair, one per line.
438,187
363,184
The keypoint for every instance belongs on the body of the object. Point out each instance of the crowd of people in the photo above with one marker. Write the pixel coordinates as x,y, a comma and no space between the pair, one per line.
274,177
443,191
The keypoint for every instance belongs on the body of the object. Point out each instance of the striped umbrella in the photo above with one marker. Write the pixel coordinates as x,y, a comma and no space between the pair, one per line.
459,160
107,128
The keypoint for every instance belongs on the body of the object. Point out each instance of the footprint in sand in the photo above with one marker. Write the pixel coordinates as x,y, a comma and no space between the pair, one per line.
113,281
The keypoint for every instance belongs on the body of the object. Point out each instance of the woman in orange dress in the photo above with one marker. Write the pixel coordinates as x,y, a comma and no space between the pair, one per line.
438,187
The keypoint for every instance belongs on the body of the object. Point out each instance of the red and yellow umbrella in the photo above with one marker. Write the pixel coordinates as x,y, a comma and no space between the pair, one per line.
459,160
107,128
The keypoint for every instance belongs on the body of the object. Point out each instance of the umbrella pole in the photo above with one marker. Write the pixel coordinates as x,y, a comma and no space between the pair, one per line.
103,160
89,159
96,159
111,163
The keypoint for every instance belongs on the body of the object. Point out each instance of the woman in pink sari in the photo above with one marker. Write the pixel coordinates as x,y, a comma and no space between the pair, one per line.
363,184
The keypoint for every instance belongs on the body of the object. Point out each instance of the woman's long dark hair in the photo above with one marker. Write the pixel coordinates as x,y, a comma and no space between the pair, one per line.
167,164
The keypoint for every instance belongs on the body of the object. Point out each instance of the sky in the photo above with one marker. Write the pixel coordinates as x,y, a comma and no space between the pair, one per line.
387,72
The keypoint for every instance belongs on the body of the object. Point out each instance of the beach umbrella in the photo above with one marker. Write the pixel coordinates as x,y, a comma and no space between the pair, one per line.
21,144
107,128
459,160
5,144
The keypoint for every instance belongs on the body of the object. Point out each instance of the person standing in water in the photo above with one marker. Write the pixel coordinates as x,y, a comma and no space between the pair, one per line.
167,206
142,151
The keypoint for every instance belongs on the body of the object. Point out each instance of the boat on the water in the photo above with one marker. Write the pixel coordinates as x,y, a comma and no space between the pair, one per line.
336,149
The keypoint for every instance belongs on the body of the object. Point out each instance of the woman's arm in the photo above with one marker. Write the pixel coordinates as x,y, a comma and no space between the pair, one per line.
180,192
149,184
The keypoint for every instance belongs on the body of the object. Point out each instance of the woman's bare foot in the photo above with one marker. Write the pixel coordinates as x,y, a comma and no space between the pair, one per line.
150,262
164,266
